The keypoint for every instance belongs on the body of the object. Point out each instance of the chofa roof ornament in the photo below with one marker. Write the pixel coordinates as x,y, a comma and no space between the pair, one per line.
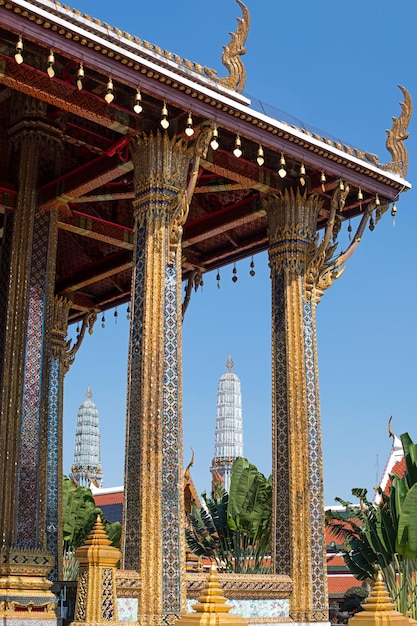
234,50
396,137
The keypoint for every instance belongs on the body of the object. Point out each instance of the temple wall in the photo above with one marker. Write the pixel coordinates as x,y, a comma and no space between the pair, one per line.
258,598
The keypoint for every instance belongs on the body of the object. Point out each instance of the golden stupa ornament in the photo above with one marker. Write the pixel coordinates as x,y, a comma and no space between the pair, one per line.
378,608
234,50
211,608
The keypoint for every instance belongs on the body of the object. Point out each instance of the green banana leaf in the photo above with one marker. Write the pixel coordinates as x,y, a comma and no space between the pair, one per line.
407,525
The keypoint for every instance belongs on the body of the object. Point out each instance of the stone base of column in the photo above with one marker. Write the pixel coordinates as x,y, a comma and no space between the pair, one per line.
25,596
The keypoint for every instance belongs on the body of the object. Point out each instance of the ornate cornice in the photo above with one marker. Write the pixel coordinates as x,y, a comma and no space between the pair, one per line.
244,585
27,562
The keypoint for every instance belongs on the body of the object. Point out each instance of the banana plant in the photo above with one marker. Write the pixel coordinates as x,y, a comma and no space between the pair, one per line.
79,514
234,528
385,534
250,511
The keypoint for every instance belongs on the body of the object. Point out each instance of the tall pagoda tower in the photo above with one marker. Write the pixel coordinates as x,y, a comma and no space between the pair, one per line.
86,468
228,444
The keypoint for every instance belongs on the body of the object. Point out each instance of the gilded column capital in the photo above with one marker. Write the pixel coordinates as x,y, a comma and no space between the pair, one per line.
292,221
29,123
161,167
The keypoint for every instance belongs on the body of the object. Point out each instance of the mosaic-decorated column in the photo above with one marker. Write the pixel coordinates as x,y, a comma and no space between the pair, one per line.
25,560
55,415
298,516
154,499
61,357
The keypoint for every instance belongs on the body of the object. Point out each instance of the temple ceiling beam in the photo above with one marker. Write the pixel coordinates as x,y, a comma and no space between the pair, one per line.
221,221
251,176
224,255
81,181
95,272
94,228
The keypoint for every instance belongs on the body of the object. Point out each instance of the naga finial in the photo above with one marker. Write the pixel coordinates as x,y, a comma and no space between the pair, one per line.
396,137
234,50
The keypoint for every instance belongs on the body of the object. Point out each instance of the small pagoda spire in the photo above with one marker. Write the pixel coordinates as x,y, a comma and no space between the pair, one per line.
86,468
211,608
378,608
228,440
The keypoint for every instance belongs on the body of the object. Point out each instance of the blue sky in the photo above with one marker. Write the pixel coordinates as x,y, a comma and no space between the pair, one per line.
337,70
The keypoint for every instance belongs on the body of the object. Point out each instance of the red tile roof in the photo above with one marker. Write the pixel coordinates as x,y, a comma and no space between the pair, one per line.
338,585
399,469
103,499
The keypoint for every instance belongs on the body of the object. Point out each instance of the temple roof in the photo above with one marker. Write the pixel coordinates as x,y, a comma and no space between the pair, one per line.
93,184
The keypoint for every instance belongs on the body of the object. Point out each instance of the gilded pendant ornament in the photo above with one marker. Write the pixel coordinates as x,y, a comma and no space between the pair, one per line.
396,137
234,50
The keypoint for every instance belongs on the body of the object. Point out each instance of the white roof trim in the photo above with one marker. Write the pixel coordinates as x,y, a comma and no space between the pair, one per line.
207,86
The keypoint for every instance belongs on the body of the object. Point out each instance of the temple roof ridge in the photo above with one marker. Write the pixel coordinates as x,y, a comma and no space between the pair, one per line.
132,43
135,52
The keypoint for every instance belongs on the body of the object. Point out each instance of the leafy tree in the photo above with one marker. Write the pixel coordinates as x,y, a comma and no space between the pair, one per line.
234,529
384,535
353,599
79,515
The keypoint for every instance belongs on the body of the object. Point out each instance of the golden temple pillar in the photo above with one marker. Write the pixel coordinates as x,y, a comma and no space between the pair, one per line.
298,507
153,524
26,315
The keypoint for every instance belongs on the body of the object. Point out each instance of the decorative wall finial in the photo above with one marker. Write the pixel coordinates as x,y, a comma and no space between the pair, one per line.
232,53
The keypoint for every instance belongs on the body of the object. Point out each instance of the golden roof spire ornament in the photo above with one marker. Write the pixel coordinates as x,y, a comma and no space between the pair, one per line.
396,137
229,363
234,50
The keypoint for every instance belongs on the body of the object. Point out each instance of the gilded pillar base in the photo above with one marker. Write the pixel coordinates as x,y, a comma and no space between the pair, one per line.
155,619
113,623
25,596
